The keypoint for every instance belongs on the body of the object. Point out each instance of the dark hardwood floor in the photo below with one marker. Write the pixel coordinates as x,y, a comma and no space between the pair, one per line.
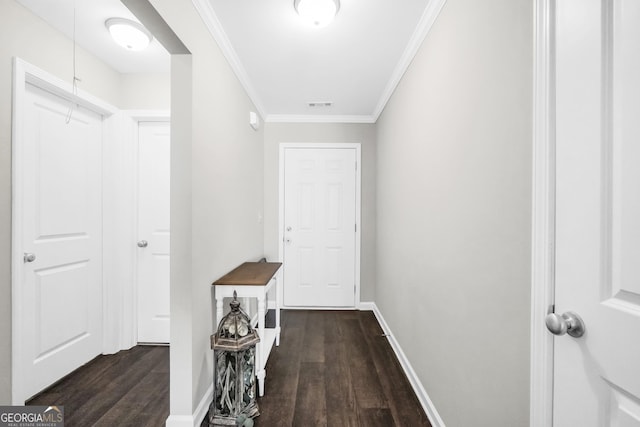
333,368
130,388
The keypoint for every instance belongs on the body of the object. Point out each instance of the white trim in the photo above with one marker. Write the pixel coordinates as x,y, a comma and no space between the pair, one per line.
24,73
203,407
425,24
323,308
50,83
149,115
112,301
210,19
543,217
194,420
19,82
416,384
282,147
308,118
180,421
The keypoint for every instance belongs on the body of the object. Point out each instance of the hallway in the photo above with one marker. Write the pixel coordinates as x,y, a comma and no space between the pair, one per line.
332,368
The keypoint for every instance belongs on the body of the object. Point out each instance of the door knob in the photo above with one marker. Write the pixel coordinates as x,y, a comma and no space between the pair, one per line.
289,228
568,323
28,257
143,244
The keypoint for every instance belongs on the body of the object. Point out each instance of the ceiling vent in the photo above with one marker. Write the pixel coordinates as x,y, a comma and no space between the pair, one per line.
320,104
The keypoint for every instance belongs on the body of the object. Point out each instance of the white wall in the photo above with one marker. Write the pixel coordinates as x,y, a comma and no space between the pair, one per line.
276,133
453,206
145,91
216,196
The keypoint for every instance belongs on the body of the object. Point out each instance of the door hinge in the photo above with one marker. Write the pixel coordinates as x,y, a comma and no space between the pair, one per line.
355,227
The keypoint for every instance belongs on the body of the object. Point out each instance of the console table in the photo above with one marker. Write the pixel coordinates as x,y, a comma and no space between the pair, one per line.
253,280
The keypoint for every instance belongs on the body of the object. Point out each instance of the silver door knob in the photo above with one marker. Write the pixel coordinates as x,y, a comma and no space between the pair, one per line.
289,228
569,323
143,244
28,257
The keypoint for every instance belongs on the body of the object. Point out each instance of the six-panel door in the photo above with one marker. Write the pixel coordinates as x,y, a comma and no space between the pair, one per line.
319,227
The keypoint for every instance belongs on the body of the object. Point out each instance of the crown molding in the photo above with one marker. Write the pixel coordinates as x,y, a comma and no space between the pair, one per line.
214,26
427,20
308,118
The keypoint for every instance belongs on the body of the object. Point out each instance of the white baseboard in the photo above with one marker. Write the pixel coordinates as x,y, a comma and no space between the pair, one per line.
179,421
418,388
198,415
196,418
367,306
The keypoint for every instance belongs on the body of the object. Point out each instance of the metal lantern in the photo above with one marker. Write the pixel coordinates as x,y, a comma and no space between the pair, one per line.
234,369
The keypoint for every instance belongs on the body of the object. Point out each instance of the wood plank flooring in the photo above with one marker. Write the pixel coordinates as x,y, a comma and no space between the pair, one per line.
130,388
333,368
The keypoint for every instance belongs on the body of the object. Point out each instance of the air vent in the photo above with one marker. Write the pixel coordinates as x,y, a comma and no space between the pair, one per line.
320,104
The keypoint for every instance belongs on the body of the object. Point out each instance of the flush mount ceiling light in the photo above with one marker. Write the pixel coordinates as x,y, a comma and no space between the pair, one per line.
129,34
319,13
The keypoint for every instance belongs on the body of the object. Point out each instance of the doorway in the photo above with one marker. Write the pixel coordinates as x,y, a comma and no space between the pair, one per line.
319,223
73,257
57,294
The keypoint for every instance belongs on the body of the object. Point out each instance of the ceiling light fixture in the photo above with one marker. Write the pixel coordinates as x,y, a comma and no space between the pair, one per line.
129,34
320,13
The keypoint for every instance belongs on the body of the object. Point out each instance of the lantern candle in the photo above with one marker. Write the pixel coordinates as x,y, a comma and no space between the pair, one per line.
234,362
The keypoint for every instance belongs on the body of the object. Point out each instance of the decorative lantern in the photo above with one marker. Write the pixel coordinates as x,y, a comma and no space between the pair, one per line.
234,370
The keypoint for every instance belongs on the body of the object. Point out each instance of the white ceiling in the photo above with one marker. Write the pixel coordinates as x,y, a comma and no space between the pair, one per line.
355,62
92,35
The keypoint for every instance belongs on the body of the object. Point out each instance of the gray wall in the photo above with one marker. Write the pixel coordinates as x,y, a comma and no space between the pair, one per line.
274,134
216,196
28,37
453,206
145,91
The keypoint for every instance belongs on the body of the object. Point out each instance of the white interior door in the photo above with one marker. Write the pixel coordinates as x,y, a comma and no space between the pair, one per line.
61,313
319,227
597,376
153,231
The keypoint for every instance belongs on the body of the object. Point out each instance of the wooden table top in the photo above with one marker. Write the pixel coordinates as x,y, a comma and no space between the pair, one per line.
250,274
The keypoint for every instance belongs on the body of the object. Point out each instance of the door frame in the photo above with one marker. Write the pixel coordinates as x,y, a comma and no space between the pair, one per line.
138,116
543,215
23,74
302,145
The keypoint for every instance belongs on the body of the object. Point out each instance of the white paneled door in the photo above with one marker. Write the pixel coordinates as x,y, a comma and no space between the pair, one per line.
61,193
319,227
597,375
153,231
